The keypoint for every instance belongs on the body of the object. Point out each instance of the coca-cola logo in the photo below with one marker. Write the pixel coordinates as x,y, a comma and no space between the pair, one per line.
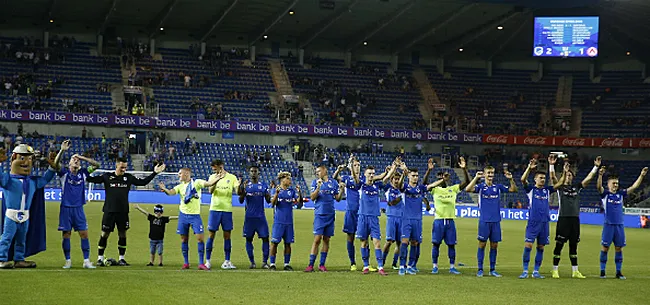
573,142
535,140
644,143
497,139
612,143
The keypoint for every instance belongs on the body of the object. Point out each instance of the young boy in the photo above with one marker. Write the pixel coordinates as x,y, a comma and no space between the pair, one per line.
157,224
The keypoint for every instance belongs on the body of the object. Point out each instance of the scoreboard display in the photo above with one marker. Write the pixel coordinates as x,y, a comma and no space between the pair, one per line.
566,37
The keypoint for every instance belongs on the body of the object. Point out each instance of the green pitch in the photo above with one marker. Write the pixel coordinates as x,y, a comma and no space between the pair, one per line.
139,284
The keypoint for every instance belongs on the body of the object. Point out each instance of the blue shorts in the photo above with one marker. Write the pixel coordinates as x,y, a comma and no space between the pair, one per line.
156,244
537,231
185,221
256,225
489,230
324,224
350,222
393,228
72,218
412,229
219,218
282,232
368,226
613,233
444,230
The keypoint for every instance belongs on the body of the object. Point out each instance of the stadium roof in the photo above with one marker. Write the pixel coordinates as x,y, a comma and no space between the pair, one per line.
441,26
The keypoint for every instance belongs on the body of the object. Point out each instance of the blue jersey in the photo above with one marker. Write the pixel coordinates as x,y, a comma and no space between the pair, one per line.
284,207
255,196
391,194
351,193
489,201
613,205
538,199
369,203
413,197
73,187
324,203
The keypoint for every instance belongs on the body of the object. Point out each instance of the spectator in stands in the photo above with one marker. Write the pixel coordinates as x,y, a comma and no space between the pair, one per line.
187,81
418,147
83,133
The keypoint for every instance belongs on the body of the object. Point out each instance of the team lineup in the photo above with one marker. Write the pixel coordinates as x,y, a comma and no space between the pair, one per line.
401,186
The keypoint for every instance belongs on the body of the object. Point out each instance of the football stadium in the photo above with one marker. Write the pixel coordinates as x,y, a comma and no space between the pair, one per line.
324,151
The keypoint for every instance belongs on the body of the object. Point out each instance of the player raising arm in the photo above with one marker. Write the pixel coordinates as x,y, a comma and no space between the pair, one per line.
394,213
568,224
189,215
221,212
284,199
537,227
116,206
352,185
613,230
444,228
489,224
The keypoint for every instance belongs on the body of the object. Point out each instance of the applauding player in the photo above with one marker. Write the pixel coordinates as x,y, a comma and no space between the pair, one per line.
189,215
568,224
394,213
352,185
412,220
283,201
537,227
489,224
613,230
323,193
254,193
444,228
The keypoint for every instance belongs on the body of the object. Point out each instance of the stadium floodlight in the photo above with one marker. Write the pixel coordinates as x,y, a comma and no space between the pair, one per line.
461,50
500,27
291,12
162,29
365,43
265,36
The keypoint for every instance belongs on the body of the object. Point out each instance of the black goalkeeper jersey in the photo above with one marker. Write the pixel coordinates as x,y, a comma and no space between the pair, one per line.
117,190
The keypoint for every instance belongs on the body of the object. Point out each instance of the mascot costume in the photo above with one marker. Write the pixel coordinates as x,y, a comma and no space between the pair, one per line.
23,207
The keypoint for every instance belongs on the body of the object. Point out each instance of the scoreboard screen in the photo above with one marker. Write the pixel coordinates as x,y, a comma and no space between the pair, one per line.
566,37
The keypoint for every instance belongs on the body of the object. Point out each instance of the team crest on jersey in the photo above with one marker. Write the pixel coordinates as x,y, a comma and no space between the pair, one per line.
259,187
449,191
227,181
124,178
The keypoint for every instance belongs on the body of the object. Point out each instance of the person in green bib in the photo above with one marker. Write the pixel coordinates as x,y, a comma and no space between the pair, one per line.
189,191
444,229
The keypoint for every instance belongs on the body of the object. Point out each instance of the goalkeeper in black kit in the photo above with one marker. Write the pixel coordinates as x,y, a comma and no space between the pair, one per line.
116,205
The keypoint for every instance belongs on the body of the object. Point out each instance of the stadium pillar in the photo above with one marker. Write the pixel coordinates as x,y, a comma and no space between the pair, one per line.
301,57
100,44
488,67
540,72
348,59
46,39
594,72
203,47
644,71
440,65
152,47
253,49
394,62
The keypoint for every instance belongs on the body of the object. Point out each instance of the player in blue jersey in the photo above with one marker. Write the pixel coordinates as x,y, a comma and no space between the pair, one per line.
395,201
73,198
489,224
538,219
323,193
411,229
253,193
284,199
369,213
613,229
352,185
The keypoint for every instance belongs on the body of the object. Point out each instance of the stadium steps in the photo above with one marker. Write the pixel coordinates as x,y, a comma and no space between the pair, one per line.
280,77
429,95
117,97
307,172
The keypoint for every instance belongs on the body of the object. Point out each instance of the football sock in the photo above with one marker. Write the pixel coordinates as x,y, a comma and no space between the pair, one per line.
603,260
451,251
435,252
121,245
618,260
379,256
249,250
201,246
185,248
312,259
287,259
323,258
480,256
227,247
85,248
402,254
573,254
265,251
208,248
101,245
365,256
526,257
65,244
413,253
351,253
539,257
493,259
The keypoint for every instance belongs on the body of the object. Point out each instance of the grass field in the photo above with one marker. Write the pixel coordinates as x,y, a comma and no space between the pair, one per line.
138,284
